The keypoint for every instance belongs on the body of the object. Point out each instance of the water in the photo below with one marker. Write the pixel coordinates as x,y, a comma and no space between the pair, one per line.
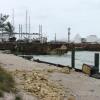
80,58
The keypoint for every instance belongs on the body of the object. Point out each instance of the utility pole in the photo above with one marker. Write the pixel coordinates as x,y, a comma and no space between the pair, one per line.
69,34
55,37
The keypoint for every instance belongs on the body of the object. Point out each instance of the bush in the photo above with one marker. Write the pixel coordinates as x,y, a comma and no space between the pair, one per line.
1,94
7,83
18,97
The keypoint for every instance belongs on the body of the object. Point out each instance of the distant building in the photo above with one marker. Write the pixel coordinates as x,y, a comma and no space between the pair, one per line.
43,40
98,41
92,39
83,40
77,39
88,39
4,37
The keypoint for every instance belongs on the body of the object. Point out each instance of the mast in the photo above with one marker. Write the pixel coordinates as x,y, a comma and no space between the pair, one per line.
26,23
41,32
13,20
19,30
29,27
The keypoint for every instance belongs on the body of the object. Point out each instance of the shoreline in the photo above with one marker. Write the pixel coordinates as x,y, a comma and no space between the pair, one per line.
81,86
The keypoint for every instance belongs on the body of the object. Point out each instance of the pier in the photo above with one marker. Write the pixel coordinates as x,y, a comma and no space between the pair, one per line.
46,48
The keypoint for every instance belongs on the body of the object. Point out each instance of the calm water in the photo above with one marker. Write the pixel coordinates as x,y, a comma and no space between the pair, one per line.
80,58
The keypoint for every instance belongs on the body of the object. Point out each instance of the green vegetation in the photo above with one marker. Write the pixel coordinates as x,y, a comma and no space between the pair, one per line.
7,83
6,26
1,93
18,97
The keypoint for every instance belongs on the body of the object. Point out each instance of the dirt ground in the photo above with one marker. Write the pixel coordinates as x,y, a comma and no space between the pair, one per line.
41,81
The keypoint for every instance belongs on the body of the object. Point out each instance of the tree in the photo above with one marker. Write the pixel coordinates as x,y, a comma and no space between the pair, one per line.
6,26
9,28
3,19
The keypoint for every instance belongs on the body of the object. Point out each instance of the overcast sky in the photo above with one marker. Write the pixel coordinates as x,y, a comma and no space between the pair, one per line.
83,16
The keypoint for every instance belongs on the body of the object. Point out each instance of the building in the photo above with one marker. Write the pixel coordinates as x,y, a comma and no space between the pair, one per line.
83,40
4,37
77,39
88,39
92,39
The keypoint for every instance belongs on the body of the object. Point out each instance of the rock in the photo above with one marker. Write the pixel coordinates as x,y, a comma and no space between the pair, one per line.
37,83
71,98
65,70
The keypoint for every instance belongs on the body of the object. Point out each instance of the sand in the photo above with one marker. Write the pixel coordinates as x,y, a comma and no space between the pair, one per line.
78,85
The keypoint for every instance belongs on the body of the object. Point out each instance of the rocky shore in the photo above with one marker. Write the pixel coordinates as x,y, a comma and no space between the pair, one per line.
36,81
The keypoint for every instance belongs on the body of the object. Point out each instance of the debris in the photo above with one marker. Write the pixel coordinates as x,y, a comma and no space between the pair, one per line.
38,84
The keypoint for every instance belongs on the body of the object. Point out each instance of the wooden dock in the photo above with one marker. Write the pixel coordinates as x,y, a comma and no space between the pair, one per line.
46,48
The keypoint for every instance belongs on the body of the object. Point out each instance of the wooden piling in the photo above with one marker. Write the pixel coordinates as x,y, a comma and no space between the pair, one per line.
73,58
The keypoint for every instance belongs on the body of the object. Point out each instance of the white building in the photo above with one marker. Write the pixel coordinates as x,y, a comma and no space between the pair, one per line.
4,37
92,39
77,39
98,40
43,40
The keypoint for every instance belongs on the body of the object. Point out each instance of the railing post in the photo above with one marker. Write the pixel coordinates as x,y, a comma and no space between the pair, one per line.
96,62
73,58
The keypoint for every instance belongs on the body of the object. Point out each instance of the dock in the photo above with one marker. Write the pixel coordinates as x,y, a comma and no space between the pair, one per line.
46,48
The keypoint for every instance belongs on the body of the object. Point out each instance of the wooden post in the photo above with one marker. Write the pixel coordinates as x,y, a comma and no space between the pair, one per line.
73,58
96,62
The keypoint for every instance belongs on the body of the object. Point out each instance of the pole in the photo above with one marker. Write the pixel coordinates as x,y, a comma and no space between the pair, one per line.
96,62
19,30
69,34
73,58
55,37
29,29
26,23
13,21
39,33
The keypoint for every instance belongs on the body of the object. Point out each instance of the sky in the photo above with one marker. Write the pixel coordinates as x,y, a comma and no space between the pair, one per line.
82,16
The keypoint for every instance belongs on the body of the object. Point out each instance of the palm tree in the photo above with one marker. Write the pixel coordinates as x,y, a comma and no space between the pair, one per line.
6,26
3,19
9,28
